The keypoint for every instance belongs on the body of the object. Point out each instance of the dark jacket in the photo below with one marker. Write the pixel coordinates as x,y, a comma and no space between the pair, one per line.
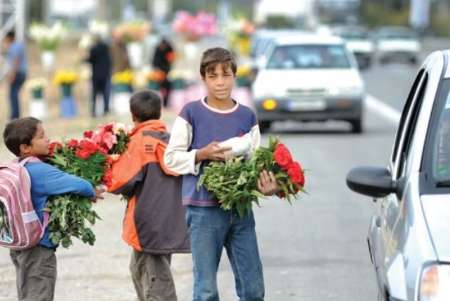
162,59
154,219
100,59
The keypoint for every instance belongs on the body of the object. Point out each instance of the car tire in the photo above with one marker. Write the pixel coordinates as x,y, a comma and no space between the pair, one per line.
264,126
357,127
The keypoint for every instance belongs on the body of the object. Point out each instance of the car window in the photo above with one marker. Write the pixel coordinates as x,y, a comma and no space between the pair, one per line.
309,57
403,118
441,143
411,127
396,34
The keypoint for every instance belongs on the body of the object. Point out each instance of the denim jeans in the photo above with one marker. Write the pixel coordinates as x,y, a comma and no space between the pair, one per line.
211,229
14,90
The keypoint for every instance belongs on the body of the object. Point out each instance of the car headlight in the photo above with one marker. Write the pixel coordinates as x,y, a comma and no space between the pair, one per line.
435,283
269,104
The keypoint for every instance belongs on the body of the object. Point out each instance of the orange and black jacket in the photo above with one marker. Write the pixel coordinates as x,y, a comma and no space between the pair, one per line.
154,218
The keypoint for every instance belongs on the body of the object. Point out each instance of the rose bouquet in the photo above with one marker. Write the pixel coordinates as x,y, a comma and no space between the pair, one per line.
89,158
193,28
234,182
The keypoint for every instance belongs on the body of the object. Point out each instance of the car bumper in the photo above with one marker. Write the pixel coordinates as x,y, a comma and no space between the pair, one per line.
398,53
329,109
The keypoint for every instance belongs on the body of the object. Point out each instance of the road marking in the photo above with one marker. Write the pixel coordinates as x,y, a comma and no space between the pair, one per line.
381,108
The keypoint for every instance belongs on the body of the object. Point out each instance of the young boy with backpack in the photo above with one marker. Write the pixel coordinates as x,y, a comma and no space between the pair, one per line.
154,219
36,265
194,142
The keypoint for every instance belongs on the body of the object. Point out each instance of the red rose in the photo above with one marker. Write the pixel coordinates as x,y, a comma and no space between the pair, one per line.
295,172
83,154
107,177
88,134
86,148
53,147
282,156
108,127
73,143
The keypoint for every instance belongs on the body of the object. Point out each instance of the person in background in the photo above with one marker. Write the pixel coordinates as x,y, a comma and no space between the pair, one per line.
162,61
100,60
119,55
17,71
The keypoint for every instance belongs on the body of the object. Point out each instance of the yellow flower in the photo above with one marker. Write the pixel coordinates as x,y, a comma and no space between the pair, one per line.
64,77
243,71
123,77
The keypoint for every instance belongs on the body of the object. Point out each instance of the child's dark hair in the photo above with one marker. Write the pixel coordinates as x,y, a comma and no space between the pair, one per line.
213,56
11,35
145,105
18,132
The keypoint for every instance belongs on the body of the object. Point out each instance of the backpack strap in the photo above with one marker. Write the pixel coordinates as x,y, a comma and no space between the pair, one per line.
26,160
45,222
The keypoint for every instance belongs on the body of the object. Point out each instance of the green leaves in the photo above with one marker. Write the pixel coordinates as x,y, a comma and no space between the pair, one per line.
234,182
70,216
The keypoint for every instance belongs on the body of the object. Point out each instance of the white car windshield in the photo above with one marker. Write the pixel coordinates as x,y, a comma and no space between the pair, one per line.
441,147
309,57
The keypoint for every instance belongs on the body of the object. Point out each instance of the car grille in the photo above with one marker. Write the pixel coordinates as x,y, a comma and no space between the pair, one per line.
306,93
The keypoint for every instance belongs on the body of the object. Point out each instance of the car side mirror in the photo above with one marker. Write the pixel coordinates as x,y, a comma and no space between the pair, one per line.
371,181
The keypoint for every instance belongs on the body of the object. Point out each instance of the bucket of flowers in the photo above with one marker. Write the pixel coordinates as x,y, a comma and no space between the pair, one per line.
65,80
122,89
48,39
154,79
38,107
133,34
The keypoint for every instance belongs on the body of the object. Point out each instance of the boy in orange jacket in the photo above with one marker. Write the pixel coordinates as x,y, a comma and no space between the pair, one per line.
154,223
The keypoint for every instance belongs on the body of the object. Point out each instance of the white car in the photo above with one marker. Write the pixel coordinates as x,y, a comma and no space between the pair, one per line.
397,43
408,238
309,77
358,42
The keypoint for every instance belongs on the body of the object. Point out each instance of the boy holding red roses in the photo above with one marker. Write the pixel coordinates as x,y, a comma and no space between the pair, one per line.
194,143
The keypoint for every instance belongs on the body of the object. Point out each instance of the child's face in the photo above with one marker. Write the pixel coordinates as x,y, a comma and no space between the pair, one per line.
219,82
39,144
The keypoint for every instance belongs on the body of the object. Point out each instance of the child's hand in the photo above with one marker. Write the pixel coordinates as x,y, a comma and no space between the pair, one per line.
267,184
98,194
212,152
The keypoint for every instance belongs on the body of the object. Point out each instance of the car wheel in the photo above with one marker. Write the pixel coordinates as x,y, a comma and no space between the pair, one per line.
264,126
356,126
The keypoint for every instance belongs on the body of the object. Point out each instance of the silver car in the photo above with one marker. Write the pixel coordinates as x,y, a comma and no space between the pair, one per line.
409,236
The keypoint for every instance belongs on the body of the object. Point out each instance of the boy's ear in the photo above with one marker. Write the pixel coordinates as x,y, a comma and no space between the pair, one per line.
24,149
